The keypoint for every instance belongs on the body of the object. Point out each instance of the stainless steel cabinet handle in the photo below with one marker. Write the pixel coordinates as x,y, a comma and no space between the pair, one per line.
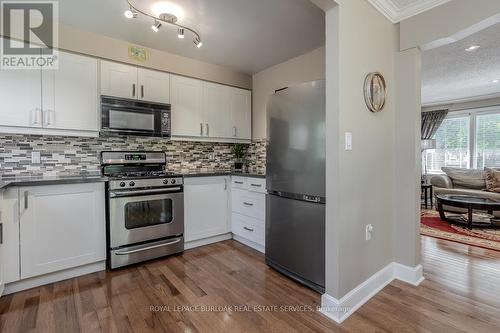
248,203
234,131
225,184
256,185
26,195
248,229
208,130
142,91
201,129
1,233
238,182
35,114
124,253
133,89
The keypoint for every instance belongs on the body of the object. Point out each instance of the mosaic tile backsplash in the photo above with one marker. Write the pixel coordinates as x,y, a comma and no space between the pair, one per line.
64,156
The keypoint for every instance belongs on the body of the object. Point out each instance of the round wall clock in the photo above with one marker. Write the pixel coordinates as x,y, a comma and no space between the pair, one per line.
375,92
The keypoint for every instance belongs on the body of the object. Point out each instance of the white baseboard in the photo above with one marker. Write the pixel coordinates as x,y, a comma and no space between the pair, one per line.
37,281
340,310
206,241
249,243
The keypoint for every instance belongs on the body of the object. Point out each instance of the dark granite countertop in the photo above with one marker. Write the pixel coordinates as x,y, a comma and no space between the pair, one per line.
223,173
93,178
40,180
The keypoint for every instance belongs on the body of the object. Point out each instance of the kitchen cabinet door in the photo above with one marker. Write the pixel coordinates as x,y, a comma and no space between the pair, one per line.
187,109
61,226
206,207
20,95
217,112
241,113
154,86
9,207
119,80
70,95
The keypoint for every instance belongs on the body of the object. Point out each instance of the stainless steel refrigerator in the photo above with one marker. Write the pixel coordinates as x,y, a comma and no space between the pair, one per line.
295,199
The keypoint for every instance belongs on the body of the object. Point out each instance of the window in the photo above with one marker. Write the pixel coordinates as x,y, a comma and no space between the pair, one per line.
487,152
466,140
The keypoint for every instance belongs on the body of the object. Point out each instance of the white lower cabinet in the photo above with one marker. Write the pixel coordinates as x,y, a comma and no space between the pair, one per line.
61,226
248,206
206,207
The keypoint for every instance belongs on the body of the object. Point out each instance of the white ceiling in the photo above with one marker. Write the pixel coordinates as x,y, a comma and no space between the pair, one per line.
451,74
245,35
399,10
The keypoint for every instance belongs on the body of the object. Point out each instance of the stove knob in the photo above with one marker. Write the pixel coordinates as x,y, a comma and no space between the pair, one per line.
131,183
122,184
172,181
165,181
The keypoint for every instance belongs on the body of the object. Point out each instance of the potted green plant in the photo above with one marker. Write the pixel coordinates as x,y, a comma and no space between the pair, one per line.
239,151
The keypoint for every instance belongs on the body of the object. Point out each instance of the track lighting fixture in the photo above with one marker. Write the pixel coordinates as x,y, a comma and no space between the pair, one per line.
169,17
156,26
180,33
130,13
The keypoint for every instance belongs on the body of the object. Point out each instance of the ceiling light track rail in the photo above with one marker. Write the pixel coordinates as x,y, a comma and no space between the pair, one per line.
166,18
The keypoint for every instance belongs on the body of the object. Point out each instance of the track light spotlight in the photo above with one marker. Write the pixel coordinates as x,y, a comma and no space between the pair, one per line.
180,33
156,26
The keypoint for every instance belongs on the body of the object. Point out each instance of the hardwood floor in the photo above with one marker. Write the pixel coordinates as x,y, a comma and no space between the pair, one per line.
461,293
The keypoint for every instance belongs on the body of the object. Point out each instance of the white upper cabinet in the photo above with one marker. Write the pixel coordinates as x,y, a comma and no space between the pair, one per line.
241,113
20,95
154,86
209,111
70,94
118,80
217,113
187,111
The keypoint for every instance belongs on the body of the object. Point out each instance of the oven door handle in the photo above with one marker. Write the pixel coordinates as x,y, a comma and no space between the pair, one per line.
114,194
124,253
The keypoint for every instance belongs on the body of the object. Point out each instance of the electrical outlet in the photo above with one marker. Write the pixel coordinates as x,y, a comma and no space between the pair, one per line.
35,157
211,157
369,231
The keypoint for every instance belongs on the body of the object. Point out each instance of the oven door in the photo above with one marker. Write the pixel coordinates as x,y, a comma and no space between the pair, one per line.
147,216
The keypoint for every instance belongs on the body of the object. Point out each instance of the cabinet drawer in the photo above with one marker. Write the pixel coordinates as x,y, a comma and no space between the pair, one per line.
248,228
249,203
256,184
238,182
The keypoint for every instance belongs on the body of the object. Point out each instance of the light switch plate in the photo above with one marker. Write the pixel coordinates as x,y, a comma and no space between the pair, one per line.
348,141
35,157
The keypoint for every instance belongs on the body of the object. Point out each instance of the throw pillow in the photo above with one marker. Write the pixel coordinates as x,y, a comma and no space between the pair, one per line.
466,178
492,180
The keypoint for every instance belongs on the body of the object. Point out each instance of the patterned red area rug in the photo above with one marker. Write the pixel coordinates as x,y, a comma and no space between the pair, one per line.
431,225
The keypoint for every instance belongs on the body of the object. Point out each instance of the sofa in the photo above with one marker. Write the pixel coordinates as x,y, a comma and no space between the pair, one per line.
462,182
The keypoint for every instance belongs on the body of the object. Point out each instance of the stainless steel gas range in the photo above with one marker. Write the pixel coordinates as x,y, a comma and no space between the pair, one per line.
145,207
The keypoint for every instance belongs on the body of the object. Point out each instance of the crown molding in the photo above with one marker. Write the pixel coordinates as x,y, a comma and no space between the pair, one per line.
396,14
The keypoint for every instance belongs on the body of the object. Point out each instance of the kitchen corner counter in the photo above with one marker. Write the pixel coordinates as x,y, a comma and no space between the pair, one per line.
223,173
56,180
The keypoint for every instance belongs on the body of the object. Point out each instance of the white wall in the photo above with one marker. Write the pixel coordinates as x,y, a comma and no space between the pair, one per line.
359,182
442,22
307,67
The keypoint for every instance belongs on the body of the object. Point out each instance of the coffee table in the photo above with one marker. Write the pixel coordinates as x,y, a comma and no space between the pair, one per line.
470,203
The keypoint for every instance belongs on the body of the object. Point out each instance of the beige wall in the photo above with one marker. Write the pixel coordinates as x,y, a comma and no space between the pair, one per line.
360,182
89,43
308,67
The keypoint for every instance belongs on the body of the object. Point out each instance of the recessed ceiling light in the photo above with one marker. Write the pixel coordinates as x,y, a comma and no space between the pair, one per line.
165,7
472,48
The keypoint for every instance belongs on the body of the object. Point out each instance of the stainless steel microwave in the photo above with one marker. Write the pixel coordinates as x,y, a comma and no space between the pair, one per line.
121,116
